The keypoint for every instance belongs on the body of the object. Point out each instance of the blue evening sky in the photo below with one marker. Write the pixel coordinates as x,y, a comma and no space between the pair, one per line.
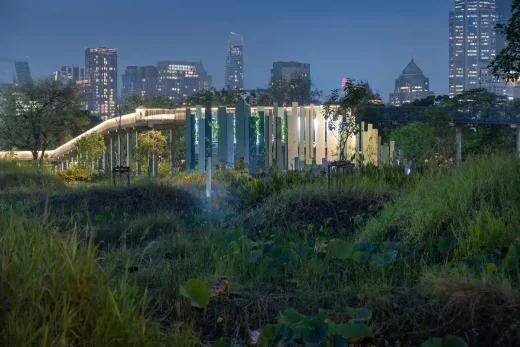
363,39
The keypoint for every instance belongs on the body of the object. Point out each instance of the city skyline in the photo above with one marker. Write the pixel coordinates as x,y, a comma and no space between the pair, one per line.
350,40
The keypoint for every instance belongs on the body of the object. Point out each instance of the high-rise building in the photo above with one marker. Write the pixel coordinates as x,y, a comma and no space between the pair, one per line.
411,85
179,79
70,73
140,80
148,77
101,72
472,43
131,82
503,9
22,72
234,77
286,70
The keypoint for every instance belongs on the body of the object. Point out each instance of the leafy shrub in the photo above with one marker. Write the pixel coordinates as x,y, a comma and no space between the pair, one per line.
76,174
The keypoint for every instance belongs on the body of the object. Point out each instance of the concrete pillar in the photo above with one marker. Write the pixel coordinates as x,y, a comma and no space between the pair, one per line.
111,153
208,177
119,151
190,141
268,134
252,145
128,149
172,150
240,131
292,134
320,136
261,137
301,143
458,144
62,165
309,135
202,136
230,140
278,142
137,164
208,133
247,133
269,139
222,137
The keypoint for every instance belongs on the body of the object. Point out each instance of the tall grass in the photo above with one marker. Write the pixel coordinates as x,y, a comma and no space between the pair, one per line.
477,203
53,292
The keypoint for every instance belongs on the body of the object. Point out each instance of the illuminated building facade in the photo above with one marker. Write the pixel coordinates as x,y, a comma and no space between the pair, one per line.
472,43
101,72
179,79
410,86
286,70
234,77
70,73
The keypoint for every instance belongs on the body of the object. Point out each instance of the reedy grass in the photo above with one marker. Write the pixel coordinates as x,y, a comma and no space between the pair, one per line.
53,292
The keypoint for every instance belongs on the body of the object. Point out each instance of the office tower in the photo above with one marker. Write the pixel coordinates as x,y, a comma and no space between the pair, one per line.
22,72
141,80
234,77
287,70
101,72
131,82
148,77
472,43
179,79
70,73
503,9
411,85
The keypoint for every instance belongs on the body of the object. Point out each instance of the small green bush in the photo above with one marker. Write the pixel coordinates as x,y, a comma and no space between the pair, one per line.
76,174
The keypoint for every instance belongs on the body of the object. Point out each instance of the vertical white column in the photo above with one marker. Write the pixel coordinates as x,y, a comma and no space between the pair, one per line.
320,136
309,135
269,138
137,164
202,133
292,141
301,146
375,146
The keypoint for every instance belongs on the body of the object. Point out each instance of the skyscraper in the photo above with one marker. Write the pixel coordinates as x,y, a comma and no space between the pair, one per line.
131,82
148,77
22,72
472,43
70,73
234,77
503,8
410,86
289,69
179,79
101,73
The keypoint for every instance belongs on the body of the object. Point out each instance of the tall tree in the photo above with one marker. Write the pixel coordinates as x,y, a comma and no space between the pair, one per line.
37,116
507,62
345,110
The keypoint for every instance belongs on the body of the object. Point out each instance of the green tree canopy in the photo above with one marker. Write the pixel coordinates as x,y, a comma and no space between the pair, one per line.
507,62
152,142
91,145
344,111
37,116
